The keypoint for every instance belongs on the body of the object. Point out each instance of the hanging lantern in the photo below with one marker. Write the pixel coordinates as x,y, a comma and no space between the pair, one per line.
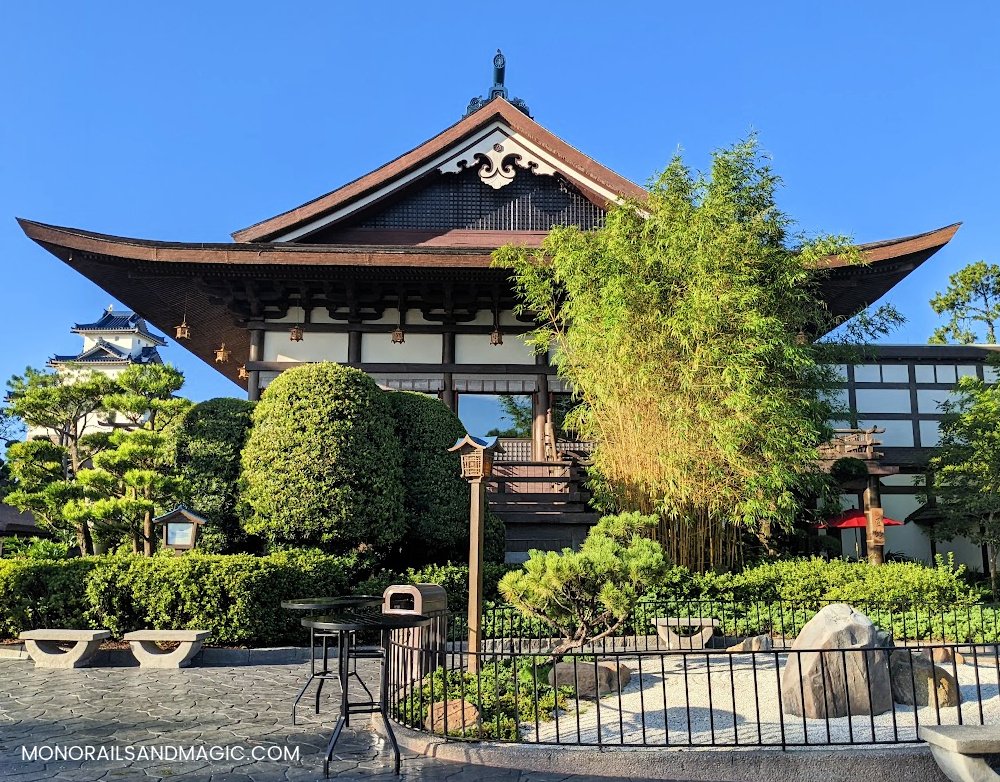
222,354
398,337
242,373
183,331
295,333
496,336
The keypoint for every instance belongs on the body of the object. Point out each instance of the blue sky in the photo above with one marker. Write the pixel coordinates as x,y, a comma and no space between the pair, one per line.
186,121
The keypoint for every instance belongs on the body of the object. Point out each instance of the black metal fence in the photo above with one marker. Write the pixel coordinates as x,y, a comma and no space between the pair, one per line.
697,698
505,628
631,690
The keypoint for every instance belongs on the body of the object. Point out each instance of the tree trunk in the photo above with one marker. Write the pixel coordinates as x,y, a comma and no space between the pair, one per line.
991,555
84,540
147,534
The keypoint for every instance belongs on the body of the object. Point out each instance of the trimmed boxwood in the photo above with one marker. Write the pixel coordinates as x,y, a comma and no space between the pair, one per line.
237,597
435,496
43,593
210,438
322,466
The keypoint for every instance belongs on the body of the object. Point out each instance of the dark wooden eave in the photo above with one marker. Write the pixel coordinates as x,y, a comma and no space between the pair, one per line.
160,280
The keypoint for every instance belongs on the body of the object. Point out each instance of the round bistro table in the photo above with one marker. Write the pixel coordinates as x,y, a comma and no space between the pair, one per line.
346,626
320,605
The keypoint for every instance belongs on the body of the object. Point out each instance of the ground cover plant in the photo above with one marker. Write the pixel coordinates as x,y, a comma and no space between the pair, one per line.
507,693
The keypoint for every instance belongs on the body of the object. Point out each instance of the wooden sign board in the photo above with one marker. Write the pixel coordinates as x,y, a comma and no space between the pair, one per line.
876,526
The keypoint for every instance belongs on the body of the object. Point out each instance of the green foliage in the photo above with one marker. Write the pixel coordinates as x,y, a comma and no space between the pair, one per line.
237,597
37,593
66,407
966,469
435,496
454,579
678,327
144,396
209,440
517,410
322,465
506,693
972,304
849,469
810,582
34,548
585,595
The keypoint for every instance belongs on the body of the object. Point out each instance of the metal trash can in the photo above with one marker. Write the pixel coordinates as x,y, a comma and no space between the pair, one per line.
428,643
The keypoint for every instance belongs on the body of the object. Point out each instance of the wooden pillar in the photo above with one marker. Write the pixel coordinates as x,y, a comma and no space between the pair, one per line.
477,527
354,344
875,524
448,395
256,354
539,411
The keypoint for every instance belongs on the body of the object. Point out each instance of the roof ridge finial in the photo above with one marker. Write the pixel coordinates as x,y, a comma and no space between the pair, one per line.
498,90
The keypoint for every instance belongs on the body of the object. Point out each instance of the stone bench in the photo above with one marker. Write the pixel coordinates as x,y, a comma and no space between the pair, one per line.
703,627
960,750
144,647
55,648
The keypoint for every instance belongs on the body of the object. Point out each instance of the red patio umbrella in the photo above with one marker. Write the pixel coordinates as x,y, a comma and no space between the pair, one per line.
852,519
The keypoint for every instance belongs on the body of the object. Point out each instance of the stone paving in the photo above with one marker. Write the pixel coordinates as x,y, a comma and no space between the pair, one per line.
217,713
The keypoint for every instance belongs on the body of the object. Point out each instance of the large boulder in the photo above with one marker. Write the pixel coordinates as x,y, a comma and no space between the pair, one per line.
917,680
756,643
944,654
590,680
460,717
852,680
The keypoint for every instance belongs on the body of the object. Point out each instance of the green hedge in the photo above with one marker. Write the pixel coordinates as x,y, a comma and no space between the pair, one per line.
236,597
43,593
209,440
810,582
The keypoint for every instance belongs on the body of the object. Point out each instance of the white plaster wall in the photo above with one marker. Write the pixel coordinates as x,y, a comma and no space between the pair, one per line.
416,349
413,318
909,539
966,552
315,346
476,349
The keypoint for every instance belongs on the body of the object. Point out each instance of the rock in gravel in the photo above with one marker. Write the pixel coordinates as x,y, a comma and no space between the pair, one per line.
590,680
818,684
915,678
944,654
457,716
756,643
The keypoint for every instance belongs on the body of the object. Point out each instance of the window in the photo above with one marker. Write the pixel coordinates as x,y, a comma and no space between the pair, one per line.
941,373
881,373
882,400
898,434
929,400
930,434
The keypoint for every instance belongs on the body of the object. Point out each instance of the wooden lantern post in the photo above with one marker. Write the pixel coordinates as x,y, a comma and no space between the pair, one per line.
477,466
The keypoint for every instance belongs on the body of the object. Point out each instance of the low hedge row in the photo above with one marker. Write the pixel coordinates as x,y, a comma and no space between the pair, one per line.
237,597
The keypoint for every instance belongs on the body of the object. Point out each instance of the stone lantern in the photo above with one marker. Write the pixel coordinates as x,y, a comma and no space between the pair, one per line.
476,454
180,528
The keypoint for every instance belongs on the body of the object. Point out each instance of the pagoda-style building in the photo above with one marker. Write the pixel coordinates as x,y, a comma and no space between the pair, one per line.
112,342
392,274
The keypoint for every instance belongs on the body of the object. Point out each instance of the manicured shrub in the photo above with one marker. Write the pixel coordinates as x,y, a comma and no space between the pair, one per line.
435,496
588,594
237,597
43,593
322,465
210,438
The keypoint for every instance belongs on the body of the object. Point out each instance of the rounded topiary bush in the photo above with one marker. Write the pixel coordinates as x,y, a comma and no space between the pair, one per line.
210,437
435,496
322,465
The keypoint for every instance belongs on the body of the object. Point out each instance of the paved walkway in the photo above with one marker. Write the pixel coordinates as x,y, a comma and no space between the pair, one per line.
220,715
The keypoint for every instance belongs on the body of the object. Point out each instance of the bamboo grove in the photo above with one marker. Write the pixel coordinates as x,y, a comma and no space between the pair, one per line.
683,327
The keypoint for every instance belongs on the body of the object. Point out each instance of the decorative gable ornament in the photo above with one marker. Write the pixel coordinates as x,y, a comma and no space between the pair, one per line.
496,154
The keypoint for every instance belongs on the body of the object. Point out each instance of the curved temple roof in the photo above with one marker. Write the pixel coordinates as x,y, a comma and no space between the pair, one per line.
156,279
